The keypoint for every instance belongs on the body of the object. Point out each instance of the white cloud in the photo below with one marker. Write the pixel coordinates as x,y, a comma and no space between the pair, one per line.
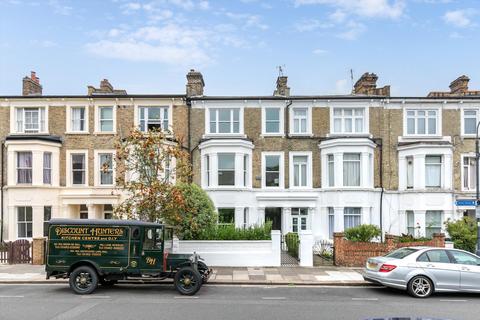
460,18
354,30
364,8
320,52
338,16
311,25
59,8
248,20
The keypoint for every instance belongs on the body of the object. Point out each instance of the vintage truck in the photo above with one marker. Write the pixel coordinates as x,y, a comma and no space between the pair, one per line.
92,252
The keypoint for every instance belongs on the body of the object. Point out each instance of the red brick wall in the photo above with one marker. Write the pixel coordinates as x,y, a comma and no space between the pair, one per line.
355,254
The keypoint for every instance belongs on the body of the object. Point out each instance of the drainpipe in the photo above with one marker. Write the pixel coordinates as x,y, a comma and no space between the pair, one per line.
1,190
287,120
381,186
189,137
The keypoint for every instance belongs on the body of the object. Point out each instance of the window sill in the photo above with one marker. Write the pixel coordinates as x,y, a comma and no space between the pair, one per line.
224,135
308,134
104,186
271,135
77,132
105,132
30,133
227,188
349,134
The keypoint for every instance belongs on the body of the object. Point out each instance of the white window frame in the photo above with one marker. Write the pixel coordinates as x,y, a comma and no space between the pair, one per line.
281,176
69,119
69,168
98,126
331,221
345,214
14,123
23,168
463,156
26,222
309,121
45,169
441,166
407,169
462,120
330,180
45,222
300,217
360,170
97,174
281,127
308,154
438,124
105,212
235,182
215,108
342,131
162,119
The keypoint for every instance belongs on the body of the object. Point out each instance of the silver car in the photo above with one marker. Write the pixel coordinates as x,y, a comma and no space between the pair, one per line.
425,270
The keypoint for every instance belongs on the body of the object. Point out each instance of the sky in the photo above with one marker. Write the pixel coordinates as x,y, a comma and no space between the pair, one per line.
416,46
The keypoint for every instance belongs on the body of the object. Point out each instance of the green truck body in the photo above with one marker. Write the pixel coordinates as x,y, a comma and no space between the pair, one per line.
118,250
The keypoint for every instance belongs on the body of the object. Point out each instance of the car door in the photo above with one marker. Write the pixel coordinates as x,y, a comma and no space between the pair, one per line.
469,269
151,257
441,269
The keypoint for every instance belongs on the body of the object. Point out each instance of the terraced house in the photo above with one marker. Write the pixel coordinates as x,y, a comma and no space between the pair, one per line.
321,163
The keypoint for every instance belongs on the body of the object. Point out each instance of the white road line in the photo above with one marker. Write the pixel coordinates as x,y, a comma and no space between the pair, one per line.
12,296
273,298
365,299
95,297
453,300
182,297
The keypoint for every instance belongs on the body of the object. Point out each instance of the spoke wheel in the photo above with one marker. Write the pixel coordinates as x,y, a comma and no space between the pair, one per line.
188,281
203,270
420,287
83,280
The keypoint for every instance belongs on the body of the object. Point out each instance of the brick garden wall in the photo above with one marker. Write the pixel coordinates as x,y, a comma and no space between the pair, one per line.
355,254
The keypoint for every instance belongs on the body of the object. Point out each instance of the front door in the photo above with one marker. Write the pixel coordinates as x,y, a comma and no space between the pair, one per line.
151,257
274,215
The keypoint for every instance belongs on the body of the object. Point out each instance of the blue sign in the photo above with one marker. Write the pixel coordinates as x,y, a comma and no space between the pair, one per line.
465,203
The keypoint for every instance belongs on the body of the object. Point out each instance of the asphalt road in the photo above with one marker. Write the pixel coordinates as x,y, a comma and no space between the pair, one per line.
56,301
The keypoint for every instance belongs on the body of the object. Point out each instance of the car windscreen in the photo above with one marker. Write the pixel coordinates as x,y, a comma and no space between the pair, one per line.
400,253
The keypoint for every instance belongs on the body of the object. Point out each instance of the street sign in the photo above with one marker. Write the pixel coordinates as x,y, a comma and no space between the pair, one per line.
465,202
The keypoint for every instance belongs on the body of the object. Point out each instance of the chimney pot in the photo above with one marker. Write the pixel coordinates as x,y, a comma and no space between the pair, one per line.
367,85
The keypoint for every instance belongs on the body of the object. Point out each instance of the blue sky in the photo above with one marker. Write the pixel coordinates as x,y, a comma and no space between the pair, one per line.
148,46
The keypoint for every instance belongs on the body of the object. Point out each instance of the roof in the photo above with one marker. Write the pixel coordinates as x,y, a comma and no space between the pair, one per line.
108,222
95,96
330,97
48,138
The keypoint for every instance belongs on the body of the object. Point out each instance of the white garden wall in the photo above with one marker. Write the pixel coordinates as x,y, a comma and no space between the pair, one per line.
235,253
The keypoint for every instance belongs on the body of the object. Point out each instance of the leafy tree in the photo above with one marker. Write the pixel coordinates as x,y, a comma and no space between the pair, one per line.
363,233
463,233
149,164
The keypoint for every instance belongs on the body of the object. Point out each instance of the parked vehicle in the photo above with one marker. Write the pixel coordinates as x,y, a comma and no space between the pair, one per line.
425,270
92,252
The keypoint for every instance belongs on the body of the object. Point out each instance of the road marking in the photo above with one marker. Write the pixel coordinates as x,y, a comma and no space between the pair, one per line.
365,299
75,312
453,300
273,298
12,296
182,297
95,297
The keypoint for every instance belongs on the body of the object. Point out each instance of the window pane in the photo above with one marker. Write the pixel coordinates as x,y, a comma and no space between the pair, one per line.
410,126
351,169
348,125
21,213
226,161
106,113
78,161
28,213
226,215
331,170
272,127
272,114
154,113
439,256
420,125
224,115
358,125
224,127
337,125
272,179
331,222
470,125
432,126
272,163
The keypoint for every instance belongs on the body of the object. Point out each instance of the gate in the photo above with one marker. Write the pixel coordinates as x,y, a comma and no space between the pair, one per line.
288,259
16,252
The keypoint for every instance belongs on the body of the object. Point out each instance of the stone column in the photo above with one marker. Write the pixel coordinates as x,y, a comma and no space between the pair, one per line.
338,169
239,217
365,169
419,171
338,219
239,181
447,173
213,170
286,220
311,217
260,216
305,252
91,211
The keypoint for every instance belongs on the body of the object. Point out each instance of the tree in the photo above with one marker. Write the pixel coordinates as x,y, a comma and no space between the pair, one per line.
149,165
463,233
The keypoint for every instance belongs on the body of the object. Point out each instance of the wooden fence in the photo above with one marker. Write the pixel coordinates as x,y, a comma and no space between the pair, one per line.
16,252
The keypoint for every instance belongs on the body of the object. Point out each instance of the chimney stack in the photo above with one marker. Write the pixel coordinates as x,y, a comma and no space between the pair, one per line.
282,88
367,85
106,88
195,84
31,86
459,85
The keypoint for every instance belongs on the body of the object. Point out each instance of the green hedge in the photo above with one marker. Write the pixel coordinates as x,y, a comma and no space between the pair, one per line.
463,233
229,232
292,241
363,233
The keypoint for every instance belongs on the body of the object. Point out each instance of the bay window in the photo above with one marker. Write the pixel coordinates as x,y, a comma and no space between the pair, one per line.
351,169
352,217
24,222
433,171
24,167
348,120
153,118
224,120
226,169
422,122
331,170
331,222
47,168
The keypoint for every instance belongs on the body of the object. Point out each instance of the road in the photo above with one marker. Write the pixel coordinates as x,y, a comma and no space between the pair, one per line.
56,301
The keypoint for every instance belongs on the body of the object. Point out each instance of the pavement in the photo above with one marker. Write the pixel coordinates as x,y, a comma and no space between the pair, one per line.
26,273
235,302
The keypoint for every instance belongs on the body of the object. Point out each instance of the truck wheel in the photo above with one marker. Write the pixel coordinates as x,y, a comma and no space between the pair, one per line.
203,270
83,280
187,281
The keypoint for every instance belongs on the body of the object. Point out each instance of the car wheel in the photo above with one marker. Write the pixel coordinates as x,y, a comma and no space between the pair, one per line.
203,270
83,280
187,281
420,287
